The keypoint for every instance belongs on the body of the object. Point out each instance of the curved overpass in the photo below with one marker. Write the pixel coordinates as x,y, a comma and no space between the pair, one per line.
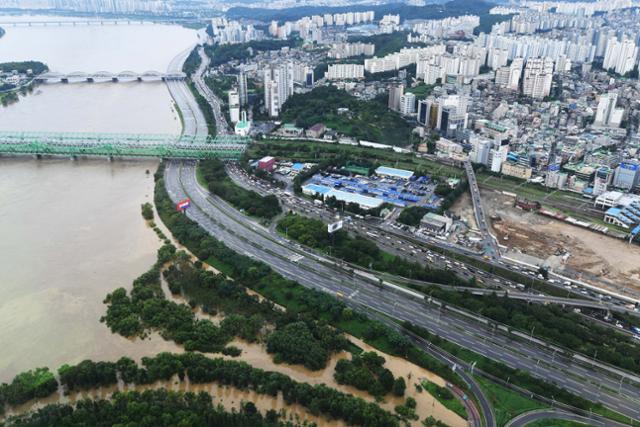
555,414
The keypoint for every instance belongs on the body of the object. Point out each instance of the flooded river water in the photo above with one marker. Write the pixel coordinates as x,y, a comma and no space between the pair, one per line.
71,231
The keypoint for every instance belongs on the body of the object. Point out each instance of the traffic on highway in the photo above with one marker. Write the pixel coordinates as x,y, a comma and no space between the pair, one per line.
587,378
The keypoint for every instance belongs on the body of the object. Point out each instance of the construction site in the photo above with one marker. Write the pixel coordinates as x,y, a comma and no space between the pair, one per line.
568,249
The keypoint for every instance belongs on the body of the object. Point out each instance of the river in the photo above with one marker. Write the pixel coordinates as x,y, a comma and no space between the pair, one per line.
72,230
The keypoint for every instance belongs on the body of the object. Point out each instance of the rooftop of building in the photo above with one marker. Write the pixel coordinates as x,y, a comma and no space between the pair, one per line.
400,173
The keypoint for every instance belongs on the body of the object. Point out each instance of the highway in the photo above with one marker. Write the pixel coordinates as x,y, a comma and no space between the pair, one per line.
249,238
311,270
408,245
196,123
289,259
193,120
222,127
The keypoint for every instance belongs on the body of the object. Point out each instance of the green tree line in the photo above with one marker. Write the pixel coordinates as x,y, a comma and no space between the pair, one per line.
205,107
224,53
21,67
199,369
358,250
367,372
192,62
158,408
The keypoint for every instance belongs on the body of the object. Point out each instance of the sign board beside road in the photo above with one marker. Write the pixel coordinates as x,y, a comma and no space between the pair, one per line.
332,228
183,205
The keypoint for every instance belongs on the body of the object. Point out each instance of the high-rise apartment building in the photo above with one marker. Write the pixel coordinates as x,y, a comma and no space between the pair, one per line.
242,88
278,86
407,104
607,114
538,75
234,105
620,55
344,72
395,95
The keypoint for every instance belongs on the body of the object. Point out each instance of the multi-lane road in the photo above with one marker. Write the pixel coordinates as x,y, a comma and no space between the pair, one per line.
547,415
222,127
310,269
193,120
412,247
314,271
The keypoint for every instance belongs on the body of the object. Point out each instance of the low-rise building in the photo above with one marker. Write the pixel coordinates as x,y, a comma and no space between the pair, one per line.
516,170
243,127
436,223
316,131
290,130
364,202
266,163
393,172
447,148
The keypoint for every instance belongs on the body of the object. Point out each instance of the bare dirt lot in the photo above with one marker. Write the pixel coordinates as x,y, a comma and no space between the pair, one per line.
563,246
464,209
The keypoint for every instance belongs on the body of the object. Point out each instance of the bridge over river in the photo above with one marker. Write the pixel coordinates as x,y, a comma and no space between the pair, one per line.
97,21
81,76
71,144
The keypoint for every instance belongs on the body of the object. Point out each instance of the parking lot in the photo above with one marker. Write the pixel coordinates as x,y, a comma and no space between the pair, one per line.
416,191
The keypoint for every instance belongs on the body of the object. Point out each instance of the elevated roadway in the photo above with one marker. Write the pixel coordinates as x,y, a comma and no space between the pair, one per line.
490,245
548,415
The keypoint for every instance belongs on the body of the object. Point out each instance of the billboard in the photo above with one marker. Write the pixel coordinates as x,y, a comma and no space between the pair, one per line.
332,228
183,205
